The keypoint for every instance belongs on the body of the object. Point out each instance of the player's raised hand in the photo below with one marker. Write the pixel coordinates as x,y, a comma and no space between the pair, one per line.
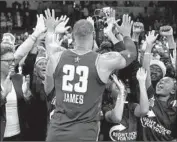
61,26
138,27
125,28
166,31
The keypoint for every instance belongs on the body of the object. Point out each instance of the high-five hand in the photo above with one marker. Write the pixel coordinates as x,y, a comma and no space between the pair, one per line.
60,28
125,28
50,20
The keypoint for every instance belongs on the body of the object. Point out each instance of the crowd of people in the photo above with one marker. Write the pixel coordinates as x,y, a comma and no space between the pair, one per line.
104,80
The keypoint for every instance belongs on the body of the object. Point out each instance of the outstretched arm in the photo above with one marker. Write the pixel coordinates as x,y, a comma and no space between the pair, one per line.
150,39
27,45
142,108
113,60
115,115
54,50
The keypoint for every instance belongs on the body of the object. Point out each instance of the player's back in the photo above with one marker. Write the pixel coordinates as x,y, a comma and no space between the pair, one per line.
78,93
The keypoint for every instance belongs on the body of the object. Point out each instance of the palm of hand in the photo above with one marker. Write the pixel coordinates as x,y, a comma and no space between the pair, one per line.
40,23
60,28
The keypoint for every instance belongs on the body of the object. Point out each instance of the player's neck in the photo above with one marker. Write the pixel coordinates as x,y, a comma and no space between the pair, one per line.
82,48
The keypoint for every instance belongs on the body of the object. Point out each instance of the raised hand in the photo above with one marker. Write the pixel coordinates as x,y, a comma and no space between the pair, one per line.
90,20
141,75
125,28
166,31
40,26
110,21
25,86
50,20
138,27
60,28
118,83
173,59
151,37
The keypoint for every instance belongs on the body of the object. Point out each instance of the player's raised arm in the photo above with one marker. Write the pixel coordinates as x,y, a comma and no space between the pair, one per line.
55,27
114,60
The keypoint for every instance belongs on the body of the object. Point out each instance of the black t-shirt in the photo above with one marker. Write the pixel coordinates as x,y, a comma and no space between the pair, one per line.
159,123
126,130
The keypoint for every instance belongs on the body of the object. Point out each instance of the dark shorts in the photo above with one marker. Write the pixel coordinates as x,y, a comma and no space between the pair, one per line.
73,132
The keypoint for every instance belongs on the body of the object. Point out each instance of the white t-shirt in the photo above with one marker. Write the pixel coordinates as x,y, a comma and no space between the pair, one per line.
12,118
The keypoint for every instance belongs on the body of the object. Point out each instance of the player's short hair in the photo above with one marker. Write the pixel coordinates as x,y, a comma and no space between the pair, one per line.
82,28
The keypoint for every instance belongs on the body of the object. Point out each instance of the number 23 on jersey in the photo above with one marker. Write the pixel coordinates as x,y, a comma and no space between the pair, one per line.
70,72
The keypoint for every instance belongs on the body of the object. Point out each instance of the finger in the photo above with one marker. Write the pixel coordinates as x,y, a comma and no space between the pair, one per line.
66,21
53,13
67,28
37,16
131,23
49,13
114,14
57,19
46,14
24,79
156,36
64,18
117,20
129,19
123,19
61,17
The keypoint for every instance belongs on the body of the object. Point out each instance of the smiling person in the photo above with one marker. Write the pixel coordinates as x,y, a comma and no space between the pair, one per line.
159,123
38,109
15,96
158,71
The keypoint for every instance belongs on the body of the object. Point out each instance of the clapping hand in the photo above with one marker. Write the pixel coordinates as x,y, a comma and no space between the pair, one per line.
166,31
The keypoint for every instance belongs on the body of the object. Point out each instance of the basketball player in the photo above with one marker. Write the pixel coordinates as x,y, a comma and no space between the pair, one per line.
79,77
